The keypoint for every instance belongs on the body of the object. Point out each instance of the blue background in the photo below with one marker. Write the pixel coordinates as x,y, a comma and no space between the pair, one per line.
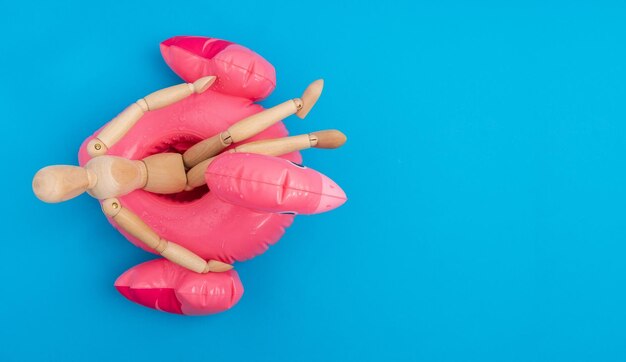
485,170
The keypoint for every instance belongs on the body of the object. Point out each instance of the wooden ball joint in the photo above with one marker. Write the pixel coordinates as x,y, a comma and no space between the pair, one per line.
171,251
120,125
110,176
274,147
106,177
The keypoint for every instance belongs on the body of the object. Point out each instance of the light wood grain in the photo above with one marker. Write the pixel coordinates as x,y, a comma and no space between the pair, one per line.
244,129
166,173
167,96
102,177
331,138
217,266
170,95
114,130
120,125
310,96
132,224
251,126
116,176
272,147
277,146
60,182
205,149
195,176
281,146
184,257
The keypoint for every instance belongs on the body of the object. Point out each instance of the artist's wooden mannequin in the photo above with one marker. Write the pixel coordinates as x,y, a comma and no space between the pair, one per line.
274,147
254,124
106,177
165,173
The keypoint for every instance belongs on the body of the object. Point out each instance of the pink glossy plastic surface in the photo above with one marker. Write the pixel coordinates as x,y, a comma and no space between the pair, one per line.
238,73
198,219
272,184
168,287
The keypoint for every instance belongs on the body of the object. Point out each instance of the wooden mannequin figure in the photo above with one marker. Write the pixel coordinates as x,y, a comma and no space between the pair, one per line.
110,176
253,125
106,177
273,147
120,125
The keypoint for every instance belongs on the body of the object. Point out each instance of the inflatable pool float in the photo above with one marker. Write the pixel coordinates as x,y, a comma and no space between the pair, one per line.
200,174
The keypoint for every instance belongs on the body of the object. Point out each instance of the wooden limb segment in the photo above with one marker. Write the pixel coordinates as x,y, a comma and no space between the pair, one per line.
253,125
206,149
120,125
273,147
244,129
195,176
177,254
256,123
310,96
107,176
62,182
166,173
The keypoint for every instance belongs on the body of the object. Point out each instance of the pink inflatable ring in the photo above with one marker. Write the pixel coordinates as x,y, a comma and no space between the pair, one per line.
213,225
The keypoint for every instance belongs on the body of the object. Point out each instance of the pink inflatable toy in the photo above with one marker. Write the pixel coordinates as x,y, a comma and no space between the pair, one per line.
272,184
252,198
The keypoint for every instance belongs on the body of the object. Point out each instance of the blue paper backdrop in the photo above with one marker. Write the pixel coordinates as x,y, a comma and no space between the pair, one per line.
485,170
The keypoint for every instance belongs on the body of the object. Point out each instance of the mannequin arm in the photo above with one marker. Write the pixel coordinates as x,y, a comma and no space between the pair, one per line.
177,254
120,125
